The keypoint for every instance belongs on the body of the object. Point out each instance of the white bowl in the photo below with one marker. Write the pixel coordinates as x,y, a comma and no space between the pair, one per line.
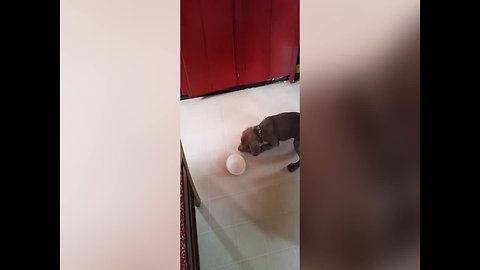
236,164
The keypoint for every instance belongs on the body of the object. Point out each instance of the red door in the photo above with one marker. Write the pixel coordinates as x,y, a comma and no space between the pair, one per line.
193,50
285,38
219,42
206,46
236,42
252,36
184,87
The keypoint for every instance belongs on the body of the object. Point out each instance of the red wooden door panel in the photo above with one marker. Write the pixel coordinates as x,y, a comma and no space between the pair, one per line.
252,35
227,43
284,37
184,87
192,47
219,41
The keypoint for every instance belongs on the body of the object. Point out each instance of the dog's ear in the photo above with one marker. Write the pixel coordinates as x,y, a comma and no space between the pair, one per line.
247,130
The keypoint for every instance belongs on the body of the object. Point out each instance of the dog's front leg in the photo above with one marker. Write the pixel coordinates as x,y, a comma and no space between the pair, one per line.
293,166
266,147
262,148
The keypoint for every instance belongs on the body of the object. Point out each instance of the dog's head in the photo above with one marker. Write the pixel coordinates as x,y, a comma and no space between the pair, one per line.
249,142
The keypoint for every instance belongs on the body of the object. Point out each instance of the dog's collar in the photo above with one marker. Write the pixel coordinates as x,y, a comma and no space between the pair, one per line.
259,132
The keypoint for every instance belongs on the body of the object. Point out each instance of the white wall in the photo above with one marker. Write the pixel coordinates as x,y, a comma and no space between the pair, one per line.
119,134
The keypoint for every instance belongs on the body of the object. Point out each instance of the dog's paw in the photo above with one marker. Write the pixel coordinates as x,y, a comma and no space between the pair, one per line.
292,167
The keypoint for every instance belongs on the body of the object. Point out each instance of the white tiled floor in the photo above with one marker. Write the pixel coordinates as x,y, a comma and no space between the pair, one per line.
251,221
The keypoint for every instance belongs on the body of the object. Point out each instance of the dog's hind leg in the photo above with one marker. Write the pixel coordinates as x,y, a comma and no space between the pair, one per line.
293,166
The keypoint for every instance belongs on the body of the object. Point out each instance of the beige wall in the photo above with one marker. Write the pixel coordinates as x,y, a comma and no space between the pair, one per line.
119,134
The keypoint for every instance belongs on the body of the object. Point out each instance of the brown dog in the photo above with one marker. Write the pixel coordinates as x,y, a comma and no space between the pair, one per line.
270,132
